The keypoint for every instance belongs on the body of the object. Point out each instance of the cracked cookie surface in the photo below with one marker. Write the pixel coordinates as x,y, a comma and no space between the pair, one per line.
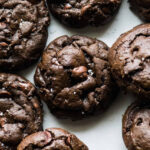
50,139
79,13
20,110
129,58
23,32
141,8
136,123
73,77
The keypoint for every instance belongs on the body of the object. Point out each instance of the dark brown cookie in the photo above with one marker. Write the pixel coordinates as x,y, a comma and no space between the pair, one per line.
141,8
23,32
129,58
73,77
20,110
136,124
52,139
77,13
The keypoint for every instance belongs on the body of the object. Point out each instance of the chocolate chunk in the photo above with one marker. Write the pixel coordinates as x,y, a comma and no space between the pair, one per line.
79,72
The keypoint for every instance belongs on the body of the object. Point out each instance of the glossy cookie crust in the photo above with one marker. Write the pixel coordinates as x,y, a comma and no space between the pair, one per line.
79,13
129,59
141,8
20,110
136,124
74,78
52,139
23,32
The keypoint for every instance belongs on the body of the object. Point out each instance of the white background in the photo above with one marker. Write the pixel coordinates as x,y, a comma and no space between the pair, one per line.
100,132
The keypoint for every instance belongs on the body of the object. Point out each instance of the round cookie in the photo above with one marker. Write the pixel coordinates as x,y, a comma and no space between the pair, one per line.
141,8
136,122
73,77
53,138
129,59
86,12
23,32
20,110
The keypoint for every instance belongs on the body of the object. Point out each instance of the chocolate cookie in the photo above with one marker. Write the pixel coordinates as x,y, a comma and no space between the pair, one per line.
20,110
77,13
73,77
52,139
23,32
141,8
129,58
136,124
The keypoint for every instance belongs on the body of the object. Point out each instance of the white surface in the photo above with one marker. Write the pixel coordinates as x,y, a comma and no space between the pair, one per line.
100,132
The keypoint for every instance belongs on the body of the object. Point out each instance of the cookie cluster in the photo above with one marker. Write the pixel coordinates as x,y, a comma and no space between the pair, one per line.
77,76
